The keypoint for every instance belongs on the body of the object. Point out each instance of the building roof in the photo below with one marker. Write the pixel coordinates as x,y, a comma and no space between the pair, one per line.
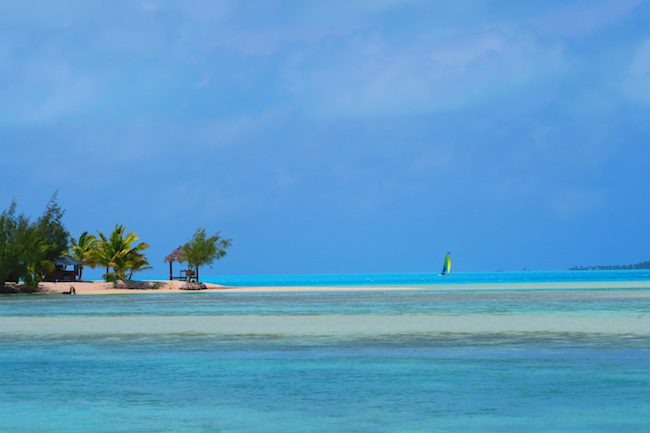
175,256
67,261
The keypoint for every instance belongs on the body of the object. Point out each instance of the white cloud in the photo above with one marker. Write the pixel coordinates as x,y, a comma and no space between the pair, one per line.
580,19
570,202
43,89
285,177
637,87
371,75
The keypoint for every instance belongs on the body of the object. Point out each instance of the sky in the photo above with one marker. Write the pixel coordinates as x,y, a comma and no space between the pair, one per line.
336,136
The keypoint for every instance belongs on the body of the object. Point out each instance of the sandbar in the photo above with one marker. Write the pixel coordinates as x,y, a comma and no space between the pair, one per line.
103,288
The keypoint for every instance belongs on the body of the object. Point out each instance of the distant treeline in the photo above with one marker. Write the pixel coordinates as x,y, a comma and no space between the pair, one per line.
641,265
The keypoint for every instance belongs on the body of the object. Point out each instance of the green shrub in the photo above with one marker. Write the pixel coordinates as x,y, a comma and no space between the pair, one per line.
203,250
28,249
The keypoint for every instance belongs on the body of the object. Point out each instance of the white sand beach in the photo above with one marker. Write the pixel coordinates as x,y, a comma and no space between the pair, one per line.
103,288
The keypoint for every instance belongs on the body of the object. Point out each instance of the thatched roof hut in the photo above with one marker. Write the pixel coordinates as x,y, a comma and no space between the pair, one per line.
174,256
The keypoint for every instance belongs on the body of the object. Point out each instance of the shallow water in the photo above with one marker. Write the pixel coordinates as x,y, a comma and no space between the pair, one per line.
415,361
577,302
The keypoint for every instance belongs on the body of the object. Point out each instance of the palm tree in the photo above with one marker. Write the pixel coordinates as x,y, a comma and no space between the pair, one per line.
85,249
203,250
137,262
120,252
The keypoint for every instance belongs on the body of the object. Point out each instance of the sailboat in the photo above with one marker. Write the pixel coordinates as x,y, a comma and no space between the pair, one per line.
446,267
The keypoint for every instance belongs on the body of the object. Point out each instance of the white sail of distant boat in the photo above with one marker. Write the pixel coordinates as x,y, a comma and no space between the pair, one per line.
446,267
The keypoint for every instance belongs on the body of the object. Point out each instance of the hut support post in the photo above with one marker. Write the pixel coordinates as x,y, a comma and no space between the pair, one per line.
171,272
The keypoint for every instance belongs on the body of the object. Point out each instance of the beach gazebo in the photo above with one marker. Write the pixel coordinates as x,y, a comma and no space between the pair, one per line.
175,256
62,271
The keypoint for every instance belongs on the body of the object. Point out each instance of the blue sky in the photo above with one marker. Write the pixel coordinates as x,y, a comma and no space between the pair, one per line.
337,136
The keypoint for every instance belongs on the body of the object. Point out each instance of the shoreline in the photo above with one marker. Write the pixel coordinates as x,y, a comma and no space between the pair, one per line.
103,288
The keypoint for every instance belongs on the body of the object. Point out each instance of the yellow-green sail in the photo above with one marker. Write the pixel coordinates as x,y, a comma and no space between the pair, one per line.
446,267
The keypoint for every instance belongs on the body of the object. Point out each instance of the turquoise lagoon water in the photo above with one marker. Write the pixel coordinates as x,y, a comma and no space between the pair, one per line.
401,361
431,278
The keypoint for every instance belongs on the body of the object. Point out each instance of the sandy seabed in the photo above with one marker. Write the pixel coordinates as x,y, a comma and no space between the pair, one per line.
348,325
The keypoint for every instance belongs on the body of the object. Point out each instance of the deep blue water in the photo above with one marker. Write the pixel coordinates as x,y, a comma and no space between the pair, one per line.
115,363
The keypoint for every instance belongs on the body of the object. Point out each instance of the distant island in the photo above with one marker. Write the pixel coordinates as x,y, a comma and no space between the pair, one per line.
641,265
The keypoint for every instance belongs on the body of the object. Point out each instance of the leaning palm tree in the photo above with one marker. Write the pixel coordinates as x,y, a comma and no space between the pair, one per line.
85,249
120,252
135,263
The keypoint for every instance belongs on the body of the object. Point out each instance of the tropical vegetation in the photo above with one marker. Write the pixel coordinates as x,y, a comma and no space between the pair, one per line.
28,248
121,255
204,250
85,249
635,266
